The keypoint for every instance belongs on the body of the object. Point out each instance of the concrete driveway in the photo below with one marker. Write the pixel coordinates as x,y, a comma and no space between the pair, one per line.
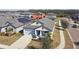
21,43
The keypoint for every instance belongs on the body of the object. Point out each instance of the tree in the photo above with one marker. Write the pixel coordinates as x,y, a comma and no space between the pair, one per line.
64,24
47,41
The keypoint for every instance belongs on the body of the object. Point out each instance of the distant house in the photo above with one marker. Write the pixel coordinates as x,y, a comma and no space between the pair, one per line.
75,16
15,23
51,15
37,16
39,28
29,14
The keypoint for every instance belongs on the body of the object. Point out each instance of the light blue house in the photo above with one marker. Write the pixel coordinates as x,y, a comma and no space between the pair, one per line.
39,28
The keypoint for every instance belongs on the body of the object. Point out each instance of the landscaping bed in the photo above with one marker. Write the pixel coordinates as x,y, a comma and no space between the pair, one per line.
8,40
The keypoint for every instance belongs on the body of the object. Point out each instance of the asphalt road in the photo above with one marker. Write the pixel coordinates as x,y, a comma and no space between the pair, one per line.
74,32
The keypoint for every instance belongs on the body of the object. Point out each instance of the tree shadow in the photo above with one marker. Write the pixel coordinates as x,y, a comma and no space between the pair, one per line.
59,28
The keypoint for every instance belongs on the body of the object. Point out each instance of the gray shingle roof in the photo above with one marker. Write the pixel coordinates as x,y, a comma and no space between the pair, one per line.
16,22
48,23
30,27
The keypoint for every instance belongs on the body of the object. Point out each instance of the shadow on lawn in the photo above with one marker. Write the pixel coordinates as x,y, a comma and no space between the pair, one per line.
60,28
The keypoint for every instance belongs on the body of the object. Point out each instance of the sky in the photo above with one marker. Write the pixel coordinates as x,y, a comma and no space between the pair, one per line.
39,4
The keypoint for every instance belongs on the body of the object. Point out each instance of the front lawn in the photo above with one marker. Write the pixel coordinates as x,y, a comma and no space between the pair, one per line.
56,36
35,44
8,40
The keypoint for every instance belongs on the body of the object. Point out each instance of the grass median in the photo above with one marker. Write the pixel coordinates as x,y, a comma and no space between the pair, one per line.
68,42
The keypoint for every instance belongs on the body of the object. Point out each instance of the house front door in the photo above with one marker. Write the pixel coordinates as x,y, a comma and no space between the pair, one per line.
38,33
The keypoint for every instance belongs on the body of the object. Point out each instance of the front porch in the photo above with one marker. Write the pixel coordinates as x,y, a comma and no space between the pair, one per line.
40,33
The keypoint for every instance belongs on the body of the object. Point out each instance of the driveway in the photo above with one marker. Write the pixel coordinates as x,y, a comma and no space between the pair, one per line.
22,42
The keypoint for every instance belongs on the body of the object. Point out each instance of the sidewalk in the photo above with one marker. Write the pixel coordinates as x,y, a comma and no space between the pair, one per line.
62,39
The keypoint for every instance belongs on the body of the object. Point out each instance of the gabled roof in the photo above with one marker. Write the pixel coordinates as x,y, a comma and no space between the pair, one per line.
47,23
15,22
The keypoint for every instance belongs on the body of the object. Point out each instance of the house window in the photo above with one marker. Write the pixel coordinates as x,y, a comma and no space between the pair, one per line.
38,32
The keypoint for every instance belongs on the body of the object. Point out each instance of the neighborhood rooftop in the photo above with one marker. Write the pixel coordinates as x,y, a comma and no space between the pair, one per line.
16,21
48,23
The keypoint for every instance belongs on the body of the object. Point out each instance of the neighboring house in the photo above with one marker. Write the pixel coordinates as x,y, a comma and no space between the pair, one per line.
15,23
75,16
51,15
39,28
29,14
37,16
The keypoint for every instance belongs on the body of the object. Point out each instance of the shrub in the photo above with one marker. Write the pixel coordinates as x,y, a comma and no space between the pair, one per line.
8,34
64,24
18,34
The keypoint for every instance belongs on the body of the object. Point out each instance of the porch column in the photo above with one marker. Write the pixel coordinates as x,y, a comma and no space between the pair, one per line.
40,33
35,32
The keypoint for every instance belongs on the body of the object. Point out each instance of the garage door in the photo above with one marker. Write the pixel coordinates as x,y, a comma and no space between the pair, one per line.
27,31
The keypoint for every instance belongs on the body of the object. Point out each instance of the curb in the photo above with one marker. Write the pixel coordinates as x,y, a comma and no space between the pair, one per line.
53,31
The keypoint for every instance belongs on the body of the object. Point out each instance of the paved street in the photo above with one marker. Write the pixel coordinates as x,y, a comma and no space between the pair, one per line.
74,32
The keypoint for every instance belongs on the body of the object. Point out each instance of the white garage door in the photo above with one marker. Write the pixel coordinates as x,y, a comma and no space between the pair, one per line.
27,31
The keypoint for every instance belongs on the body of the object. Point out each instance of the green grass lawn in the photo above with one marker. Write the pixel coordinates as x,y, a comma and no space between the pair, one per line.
8,40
